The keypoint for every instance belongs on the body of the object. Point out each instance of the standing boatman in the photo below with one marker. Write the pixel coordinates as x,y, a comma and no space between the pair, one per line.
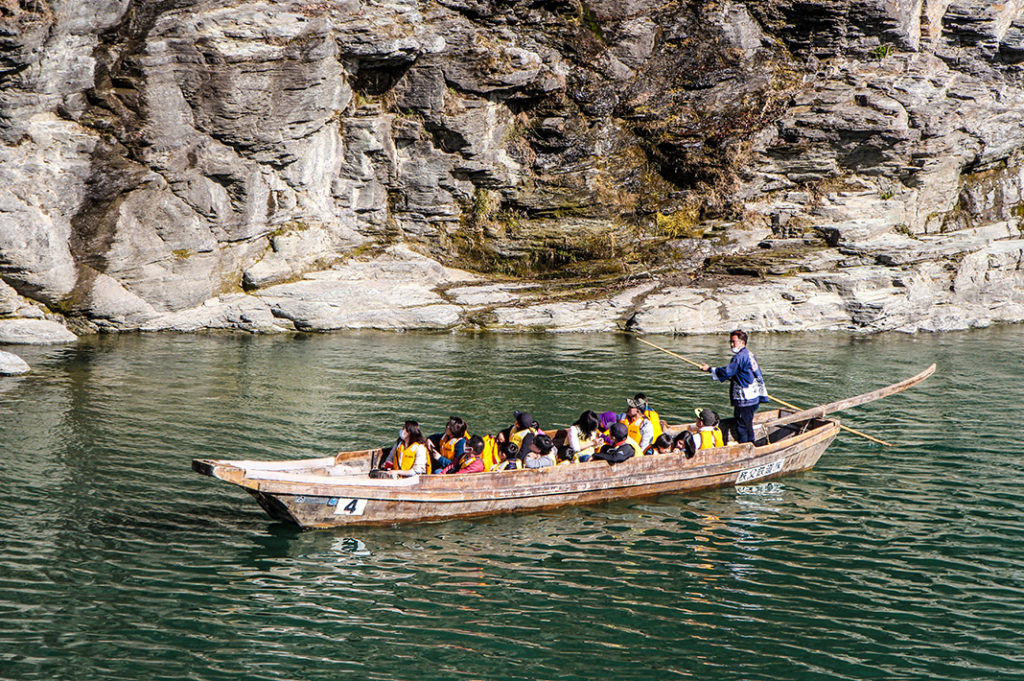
746,389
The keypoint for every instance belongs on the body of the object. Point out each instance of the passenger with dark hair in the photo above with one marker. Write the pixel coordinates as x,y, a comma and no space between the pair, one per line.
645,406
661,445
409,455
564,456
622,447
540,452
446,448
707,436
507,462
471,460
582,437
515,440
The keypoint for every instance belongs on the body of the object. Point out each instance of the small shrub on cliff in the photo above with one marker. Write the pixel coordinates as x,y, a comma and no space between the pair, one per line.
904,229
683,223
882,52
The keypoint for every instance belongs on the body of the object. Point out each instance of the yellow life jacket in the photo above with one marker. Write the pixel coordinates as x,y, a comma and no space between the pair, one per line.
510,465
710,438
634,427
655,420
635,445
405,457
517,437
448,446
467,460
490,455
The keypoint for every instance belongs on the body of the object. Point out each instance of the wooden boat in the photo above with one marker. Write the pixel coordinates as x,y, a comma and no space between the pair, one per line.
337,490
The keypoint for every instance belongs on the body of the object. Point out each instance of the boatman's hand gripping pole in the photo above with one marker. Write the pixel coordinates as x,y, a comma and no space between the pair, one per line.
782,402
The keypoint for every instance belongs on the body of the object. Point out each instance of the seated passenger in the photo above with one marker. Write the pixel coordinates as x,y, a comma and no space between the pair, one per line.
605,422
640,427
582,437
446,448
471,460
410,455
565,456
507,462
661,445
652,416
708,434
622,447
516,439
541,452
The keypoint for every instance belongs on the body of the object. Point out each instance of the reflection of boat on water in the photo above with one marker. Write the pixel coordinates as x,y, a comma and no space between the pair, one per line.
337,490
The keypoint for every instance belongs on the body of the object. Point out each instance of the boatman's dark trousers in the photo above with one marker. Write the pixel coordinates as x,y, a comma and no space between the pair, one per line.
745,422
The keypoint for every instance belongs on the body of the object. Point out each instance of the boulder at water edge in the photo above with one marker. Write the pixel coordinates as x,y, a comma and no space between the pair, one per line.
34,332
12,365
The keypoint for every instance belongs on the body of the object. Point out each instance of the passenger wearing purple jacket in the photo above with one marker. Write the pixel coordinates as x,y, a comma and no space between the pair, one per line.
746,389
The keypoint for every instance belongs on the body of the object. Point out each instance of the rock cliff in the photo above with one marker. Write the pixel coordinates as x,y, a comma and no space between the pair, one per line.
548,164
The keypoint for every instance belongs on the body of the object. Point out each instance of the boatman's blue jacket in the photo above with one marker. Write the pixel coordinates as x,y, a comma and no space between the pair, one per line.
747,383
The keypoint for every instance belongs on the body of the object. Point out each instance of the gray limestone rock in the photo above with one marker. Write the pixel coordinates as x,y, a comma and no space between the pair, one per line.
395,291
34,332
12,365
237,312
587,316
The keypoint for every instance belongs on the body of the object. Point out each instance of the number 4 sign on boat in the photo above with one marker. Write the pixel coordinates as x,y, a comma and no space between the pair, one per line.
350,507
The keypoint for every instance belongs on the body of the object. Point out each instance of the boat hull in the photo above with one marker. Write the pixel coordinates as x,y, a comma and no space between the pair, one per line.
316,495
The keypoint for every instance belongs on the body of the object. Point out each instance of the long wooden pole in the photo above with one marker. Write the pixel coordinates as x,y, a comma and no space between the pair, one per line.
846,428
823,410
685,359
771,397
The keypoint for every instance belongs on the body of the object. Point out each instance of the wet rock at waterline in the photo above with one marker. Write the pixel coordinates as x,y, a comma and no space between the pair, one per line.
12,365
34,332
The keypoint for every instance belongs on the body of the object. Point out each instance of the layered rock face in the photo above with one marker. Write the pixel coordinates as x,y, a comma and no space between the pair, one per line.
674,167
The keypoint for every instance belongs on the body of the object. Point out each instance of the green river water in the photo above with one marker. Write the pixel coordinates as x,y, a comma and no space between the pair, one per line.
118,562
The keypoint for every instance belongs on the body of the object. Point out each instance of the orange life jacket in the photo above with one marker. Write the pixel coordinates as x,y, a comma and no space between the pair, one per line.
634,427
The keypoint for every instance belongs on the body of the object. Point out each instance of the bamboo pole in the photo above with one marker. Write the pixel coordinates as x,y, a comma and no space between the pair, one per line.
846,428
696,364
771,397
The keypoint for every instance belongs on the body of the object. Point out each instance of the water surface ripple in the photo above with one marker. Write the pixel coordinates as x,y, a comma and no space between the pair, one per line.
118,562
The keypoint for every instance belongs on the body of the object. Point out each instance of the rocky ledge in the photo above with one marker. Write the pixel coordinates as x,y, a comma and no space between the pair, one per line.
932,287
573,165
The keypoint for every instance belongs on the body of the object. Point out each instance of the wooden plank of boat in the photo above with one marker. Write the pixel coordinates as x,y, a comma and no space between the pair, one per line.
823,410
312,493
